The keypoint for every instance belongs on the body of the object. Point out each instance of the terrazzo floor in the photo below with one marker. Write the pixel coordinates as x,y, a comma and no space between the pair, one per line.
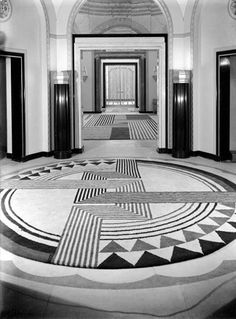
202,287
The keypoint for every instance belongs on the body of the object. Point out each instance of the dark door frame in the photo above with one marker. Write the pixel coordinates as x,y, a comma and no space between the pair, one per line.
223,105
135,64
138,35
18,103
99,56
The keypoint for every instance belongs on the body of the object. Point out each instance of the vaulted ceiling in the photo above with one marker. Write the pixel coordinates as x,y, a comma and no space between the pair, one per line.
120,8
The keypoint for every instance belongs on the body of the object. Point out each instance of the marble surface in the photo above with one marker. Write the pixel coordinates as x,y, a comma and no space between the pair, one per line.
193,289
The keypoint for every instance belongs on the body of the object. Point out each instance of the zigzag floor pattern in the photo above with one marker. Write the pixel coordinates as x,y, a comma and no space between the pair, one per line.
113,214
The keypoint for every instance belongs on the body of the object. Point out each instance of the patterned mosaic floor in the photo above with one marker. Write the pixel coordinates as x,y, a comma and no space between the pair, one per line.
116,213
119,127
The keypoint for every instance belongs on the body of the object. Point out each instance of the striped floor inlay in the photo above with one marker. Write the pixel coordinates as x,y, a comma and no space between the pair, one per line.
116,213
108,126
143,130
78,246
87,193
105,120
127,167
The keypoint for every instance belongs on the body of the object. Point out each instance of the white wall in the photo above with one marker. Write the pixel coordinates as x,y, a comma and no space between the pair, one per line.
24,34
215,30
151,84
88,85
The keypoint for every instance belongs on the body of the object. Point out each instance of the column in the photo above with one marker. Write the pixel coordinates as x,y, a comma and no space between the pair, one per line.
181,114
62,116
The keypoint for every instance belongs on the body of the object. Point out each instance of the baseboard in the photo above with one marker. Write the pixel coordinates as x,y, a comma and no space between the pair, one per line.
31,156
205,155
164,150
91,112
148,112
42,154
192,153
81,150
78,150
37,155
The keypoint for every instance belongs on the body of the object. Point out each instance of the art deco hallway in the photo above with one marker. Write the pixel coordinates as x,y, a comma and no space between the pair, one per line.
117,169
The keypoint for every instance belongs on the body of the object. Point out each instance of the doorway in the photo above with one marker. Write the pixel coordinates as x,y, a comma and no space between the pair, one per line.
13,106
105,44
120,86
3,109
226,104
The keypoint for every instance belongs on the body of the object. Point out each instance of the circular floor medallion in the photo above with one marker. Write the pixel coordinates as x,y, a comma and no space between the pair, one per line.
116,213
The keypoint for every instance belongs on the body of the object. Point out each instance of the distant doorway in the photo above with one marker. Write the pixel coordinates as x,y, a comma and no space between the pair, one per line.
120,86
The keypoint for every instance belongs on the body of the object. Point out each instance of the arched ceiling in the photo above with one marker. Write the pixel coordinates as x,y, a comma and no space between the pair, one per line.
120,8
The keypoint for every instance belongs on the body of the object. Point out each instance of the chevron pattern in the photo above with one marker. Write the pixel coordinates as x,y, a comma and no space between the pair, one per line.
113,221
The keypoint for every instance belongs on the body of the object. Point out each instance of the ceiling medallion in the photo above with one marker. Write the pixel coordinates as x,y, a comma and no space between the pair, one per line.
5,10
232,8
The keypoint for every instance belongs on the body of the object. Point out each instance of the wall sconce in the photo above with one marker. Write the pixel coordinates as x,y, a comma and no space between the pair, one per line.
155,73
84,74
224,61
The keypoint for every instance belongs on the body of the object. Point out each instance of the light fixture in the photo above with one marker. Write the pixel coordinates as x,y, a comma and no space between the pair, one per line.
224,61
84,74
155,73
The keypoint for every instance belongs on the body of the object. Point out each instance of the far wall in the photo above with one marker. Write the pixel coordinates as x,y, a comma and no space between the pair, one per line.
88,100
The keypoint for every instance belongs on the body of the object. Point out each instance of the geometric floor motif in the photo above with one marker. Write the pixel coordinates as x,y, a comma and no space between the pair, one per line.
119,127
116,213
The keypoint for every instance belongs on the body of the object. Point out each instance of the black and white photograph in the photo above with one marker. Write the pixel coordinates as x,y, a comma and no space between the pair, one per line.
118,159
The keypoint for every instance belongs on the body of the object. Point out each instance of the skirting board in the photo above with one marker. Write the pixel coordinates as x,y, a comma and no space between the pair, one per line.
192,153
43,154
81,150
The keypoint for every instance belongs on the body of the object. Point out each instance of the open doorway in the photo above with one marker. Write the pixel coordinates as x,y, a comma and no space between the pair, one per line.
90,56
226,105
13,105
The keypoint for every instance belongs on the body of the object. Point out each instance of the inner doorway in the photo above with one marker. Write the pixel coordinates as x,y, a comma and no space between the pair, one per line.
120,87
155,77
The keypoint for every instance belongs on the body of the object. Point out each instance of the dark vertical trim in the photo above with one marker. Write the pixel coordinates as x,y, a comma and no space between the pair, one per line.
136,85
217,105
104,86
97,86
145,85
17,97
62,121
167,86
73,89
223,105
3,108
181,120
18,103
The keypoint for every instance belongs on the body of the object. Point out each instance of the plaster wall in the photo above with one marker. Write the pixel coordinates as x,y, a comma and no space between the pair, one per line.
87,24
209,37
24,34
87,87
151,84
